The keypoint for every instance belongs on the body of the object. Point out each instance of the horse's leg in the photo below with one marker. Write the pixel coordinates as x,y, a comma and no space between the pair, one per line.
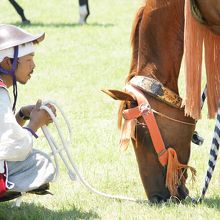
20,11
83,11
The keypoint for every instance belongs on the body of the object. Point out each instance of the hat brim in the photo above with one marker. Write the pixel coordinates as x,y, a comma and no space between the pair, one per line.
11,36
39,38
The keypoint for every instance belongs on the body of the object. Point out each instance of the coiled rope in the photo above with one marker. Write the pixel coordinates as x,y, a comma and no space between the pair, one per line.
70,165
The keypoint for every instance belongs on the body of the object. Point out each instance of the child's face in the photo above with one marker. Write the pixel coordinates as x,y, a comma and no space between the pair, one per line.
25,68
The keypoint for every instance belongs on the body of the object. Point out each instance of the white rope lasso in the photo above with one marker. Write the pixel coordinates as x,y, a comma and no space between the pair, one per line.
71,167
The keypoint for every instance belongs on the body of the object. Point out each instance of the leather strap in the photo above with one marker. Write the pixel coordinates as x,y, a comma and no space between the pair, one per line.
143,109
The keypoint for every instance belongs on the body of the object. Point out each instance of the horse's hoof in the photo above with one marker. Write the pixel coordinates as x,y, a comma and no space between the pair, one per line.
26,22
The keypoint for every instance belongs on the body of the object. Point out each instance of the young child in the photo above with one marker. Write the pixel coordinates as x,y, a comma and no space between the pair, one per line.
22,168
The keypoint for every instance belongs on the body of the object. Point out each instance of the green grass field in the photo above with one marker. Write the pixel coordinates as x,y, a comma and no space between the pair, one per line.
73,64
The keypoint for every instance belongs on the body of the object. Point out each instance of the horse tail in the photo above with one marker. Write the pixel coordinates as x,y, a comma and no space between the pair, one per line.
134,60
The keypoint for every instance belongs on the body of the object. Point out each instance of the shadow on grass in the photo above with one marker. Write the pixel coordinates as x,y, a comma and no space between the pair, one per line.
212,202
38,212
58,25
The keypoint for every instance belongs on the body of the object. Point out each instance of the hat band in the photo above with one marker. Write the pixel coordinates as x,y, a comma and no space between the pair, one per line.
23,50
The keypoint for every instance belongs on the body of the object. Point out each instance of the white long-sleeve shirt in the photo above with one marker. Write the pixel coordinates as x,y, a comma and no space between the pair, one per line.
15,142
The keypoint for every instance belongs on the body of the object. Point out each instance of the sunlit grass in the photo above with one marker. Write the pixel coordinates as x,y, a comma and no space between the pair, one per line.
73,64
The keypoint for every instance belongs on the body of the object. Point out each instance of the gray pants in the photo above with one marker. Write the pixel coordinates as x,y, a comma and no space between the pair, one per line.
37,169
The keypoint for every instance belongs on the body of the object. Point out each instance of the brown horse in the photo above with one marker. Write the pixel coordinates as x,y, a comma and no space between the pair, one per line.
157,41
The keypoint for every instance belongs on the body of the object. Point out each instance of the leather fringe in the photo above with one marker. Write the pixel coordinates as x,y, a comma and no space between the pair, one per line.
174,176
127,132
198,38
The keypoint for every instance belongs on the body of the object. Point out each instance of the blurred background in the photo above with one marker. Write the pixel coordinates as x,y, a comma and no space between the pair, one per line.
72,65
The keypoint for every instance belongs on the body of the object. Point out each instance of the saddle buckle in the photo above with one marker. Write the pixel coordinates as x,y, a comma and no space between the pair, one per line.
144,108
